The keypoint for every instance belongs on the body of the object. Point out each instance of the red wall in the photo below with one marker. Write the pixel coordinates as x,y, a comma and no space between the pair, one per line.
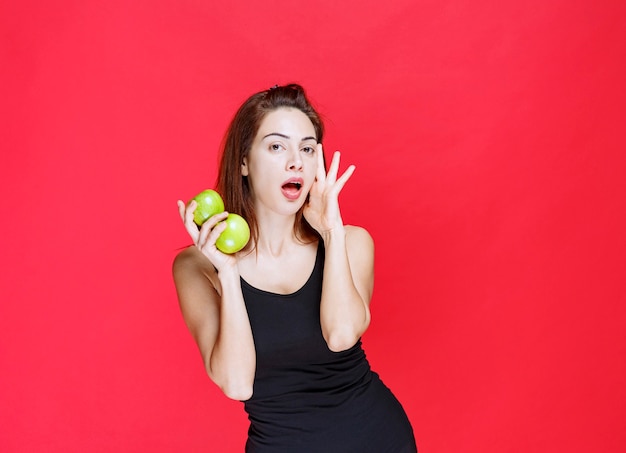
488,139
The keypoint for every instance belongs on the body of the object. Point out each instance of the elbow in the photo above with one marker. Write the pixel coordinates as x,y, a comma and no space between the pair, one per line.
237,389
340,342
237,392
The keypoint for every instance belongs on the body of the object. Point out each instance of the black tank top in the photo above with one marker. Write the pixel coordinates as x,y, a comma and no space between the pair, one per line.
307,398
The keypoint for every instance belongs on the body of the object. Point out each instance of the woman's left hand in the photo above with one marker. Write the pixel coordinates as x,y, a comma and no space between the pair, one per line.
322,210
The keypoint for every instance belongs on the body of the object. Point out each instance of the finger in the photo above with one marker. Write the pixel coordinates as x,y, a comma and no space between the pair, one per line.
208,227
334,168
181,209
189,210
215,233
343,179
187,216
320,174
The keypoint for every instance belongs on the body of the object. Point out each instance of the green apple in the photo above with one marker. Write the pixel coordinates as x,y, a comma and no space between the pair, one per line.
235,236
209,203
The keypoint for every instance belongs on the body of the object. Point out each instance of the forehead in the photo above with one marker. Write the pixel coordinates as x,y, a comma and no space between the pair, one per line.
287,121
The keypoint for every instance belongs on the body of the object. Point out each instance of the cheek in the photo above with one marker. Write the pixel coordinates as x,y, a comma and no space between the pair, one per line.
260,179
311,168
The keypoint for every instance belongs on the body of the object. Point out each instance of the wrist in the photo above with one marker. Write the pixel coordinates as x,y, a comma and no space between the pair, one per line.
334,235
228,274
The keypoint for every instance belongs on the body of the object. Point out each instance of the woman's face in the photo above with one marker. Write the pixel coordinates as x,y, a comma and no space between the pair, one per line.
282,161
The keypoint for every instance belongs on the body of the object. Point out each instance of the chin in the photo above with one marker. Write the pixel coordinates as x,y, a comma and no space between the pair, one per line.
292,207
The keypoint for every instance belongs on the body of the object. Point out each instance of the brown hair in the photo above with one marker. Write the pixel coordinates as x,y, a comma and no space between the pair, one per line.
231,184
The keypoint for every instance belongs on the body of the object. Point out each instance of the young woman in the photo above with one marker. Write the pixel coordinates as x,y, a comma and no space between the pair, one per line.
279,323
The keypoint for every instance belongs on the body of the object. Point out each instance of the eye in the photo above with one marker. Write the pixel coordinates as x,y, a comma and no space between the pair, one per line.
276,147
308,149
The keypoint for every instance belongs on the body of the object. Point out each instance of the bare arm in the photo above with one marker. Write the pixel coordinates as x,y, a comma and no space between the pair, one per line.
349,264
347,286
214,310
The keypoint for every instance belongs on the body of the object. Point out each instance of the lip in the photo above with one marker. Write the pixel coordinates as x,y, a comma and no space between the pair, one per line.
292,193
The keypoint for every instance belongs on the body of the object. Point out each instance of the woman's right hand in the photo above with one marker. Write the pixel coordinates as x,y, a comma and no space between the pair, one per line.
205,237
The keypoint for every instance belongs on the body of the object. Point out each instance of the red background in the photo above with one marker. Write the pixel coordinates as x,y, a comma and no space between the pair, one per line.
488,139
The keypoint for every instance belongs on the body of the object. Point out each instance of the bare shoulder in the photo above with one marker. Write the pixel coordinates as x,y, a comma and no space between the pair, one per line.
190,264
360,248
188,258
359,240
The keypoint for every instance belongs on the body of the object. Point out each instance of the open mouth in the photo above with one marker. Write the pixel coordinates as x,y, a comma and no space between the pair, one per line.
292,186
291,189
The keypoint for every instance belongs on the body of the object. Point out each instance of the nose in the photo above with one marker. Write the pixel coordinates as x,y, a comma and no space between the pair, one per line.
295,161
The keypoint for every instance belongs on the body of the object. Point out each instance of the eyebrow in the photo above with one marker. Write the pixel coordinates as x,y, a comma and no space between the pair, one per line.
287,137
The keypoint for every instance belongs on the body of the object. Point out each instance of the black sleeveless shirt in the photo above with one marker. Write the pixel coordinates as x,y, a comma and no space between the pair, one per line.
307,398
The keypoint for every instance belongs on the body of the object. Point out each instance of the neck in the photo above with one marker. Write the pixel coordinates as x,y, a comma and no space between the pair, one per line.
276,234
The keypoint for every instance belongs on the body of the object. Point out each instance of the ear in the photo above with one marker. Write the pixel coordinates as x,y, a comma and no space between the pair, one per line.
244,167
